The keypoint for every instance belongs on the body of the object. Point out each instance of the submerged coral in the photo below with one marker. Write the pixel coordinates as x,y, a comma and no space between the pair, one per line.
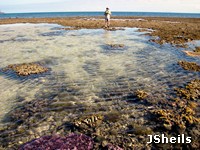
197,49
72,141
178,119
87,122
72,28
189,65
139,129
191,91
114,29
26,69
113,116
116,46
141,94
182,115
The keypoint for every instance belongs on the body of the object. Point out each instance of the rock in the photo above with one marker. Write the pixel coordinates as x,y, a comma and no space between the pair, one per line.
190,92
115,46
141,94
193,54
192,66
104,143
72,28
88,122
27,69
197,49
113,29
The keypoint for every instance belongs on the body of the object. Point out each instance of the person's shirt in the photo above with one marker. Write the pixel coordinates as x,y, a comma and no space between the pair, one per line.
107,13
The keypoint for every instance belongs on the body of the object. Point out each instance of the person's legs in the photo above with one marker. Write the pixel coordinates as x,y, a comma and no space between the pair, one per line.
106,23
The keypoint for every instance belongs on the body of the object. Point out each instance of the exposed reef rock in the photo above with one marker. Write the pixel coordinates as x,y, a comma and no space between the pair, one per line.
115,46
113,29
87,122
141,94
176,120
191,91
196,52
193,54
26,69
144,30
181,116
71,28
192,66
175,31
197,49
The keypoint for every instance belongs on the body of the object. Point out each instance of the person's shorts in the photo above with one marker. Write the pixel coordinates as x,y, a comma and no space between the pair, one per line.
107,18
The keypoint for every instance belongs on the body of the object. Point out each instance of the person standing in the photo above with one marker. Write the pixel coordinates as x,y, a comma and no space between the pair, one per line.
107,18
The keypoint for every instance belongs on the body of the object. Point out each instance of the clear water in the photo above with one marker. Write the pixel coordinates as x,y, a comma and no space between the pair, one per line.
75,14
83,67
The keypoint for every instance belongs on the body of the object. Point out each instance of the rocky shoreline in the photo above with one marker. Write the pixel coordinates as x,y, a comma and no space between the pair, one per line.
122,123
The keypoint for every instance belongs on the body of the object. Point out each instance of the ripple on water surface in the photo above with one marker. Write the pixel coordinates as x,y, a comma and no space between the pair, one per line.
82,65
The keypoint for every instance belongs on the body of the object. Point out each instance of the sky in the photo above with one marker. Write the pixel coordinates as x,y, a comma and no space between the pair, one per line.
20,6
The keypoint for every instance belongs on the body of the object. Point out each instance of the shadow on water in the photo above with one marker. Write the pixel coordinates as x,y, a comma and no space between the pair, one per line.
53,33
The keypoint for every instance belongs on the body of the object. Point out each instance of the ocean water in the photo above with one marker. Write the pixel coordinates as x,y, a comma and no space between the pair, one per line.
74,14
82,65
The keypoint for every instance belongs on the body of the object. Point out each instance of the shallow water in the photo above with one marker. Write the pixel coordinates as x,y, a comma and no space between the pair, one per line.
83,66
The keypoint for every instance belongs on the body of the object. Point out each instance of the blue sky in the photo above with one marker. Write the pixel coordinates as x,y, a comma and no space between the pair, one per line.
12,6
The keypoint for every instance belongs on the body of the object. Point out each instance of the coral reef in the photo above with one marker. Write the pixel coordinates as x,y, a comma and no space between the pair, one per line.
113,116
87,122
72,141
197,49
26,69
139,129
176,121
39,118
169,30
191,91
192,66
113,29
71,28
112,147
141,94
116,46
182,114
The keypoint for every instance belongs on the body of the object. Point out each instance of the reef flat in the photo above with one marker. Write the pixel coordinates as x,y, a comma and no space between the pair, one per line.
120,115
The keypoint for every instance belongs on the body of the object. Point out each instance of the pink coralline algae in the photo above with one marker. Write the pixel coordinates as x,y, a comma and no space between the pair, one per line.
71,142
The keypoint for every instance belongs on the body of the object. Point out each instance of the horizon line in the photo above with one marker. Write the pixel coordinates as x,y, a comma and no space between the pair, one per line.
98,11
